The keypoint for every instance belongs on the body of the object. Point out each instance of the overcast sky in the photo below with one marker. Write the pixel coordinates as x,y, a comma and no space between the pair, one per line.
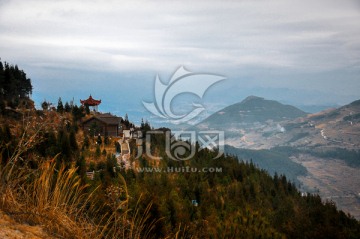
307,50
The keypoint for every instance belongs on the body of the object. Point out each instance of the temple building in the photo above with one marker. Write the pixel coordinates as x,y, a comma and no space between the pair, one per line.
91,103
103,124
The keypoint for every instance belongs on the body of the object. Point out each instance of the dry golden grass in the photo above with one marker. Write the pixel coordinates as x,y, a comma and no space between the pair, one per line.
54,198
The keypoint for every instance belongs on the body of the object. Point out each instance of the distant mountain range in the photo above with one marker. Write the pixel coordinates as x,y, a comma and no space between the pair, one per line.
320,151
258,123
251,110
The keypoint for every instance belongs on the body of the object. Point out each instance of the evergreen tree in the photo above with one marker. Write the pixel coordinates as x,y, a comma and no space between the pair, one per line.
67,107
2,80
60,106
50,144
99,140
126,121
106,139
87,109
86,142
77,112
6,145
65,146
117,147
142,125
81,167
13,84
97,151
2,106
110,165
45,105
73,142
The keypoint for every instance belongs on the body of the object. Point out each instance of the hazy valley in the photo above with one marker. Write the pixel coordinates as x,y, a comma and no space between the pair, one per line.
319,151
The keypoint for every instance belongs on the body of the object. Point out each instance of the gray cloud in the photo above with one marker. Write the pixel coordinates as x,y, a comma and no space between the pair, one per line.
125,35
273,37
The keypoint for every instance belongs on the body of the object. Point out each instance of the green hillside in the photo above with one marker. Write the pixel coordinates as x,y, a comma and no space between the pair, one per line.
273,160
253,109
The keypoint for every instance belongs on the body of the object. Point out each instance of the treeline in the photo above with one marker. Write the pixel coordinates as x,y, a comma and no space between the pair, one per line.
273,160
350,157
14,85
78,112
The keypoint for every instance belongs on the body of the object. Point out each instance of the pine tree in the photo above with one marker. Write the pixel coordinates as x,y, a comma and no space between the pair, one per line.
142,125
106,139
67,107
77,112
2,81
126,121
45,105
51,147
6,147
87,109
110,165
99,140
13,84
86,142
60,106
81,167
65,146
117,147
97,151
73,142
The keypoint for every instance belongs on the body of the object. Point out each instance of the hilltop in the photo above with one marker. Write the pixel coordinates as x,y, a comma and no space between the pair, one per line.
250,111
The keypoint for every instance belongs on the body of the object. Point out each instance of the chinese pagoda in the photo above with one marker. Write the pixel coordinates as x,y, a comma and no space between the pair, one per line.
91,103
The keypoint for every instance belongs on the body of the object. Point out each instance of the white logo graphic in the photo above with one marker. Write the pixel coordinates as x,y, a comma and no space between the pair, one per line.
181,82
183,149
182,145
213,140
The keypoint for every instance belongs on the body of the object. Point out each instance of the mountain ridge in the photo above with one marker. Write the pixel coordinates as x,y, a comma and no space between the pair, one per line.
250,110
315,150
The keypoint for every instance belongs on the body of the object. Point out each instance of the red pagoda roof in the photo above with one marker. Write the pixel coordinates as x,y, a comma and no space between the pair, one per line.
90,101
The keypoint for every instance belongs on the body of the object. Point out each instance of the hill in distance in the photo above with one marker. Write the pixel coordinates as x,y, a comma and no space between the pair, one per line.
251,110
246,124
258,123
314,150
